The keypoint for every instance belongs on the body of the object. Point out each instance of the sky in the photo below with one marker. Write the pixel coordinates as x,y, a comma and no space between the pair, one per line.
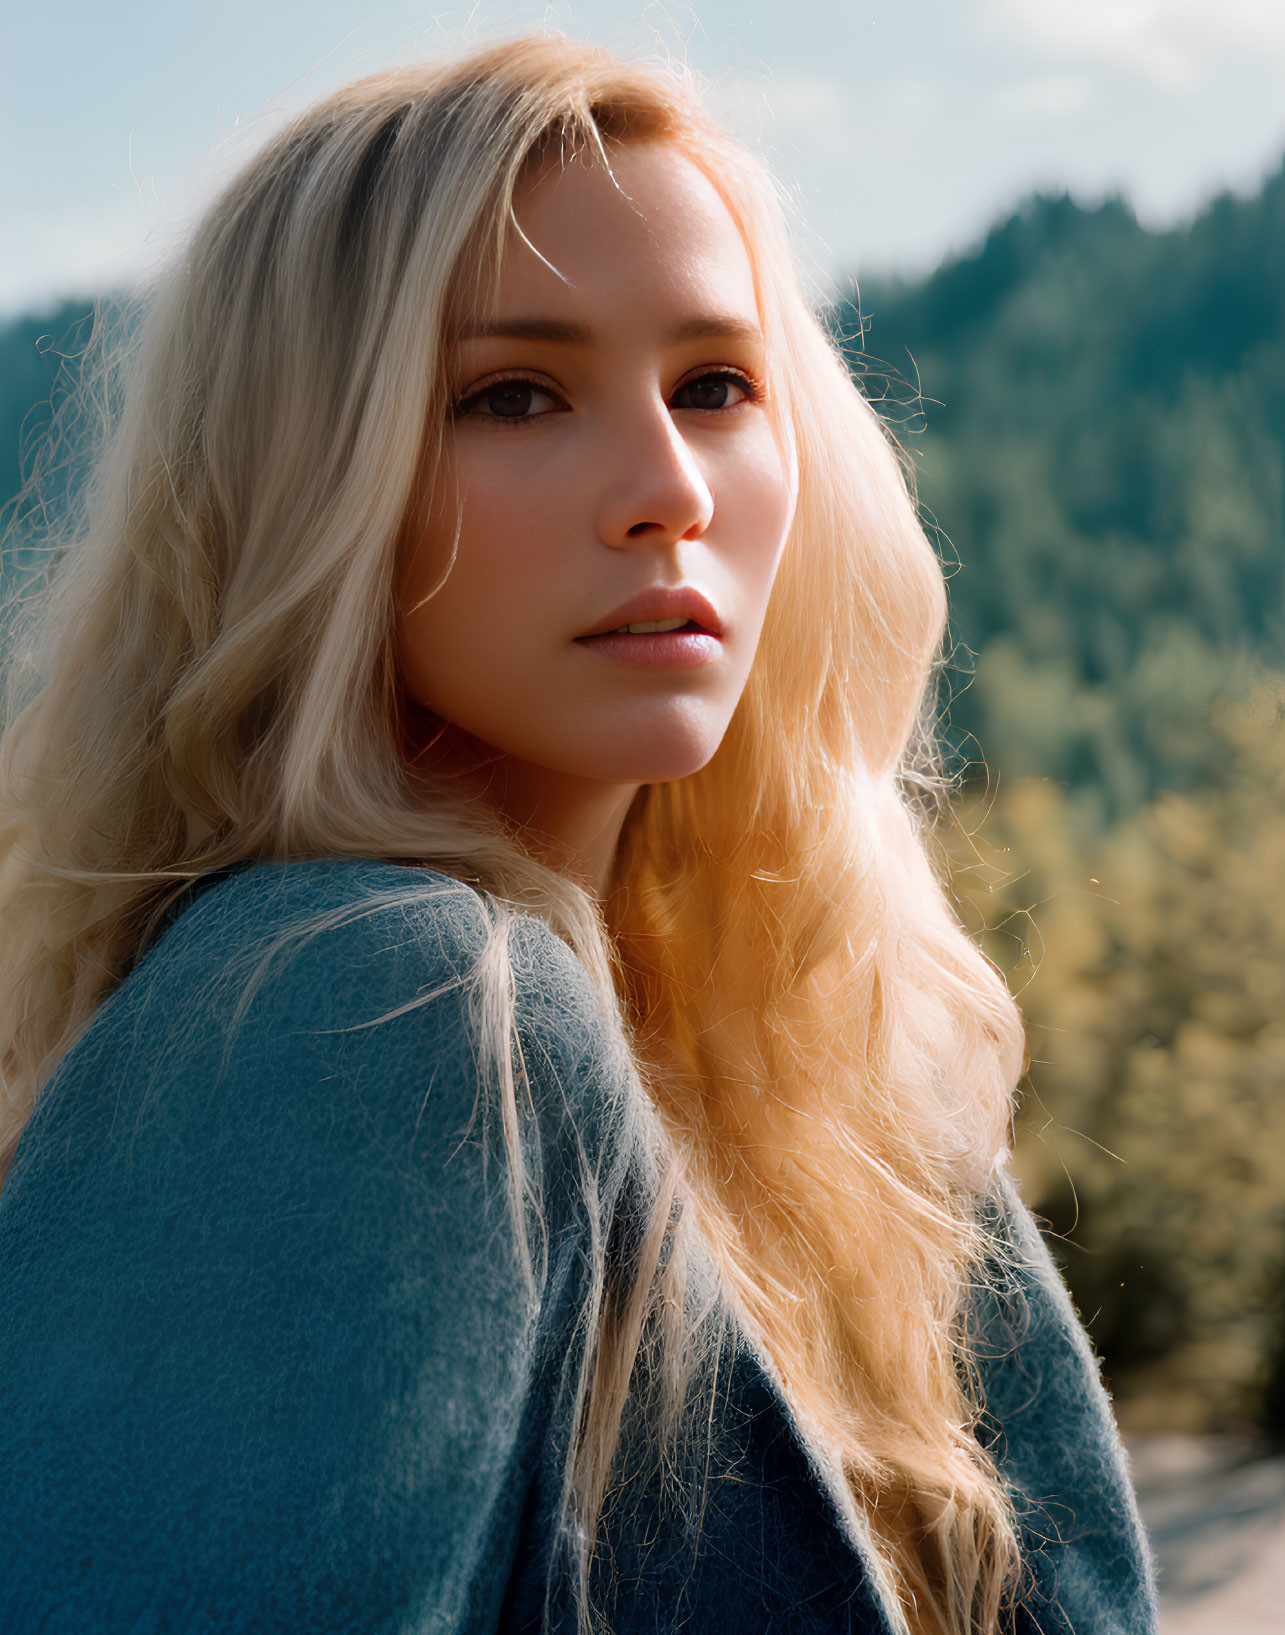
901,128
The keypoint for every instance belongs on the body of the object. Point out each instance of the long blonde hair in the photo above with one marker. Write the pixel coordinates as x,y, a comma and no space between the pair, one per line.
828,1058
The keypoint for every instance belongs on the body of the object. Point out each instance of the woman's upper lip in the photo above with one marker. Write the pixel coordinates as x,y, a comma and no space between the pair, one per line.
661,602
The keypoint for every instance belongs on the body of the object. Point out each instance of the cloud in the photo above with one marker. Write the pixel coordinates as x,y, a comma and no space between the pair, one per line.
1172,43
817,111
1042,96
809,103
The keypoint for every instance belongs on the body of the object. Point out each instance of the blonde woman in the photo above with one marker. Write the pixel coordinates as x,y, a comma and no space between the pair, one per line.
504,1129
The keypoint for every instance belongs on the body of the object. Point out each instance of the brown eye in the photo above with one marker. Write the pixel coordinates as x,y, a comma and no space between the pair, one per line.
509,400
712,391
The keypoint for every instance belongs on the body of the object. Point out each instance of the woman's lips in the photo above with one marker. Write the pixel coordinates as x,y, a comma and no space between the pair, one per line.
658,604
655,650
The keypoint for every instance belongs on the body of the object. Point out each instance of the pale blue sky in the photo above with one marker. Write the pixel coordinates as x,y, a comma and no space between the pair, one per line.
903,126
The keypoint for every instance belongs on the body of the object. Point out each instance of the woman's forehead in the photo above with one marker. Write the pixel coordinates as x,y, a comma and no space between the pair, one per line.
653,229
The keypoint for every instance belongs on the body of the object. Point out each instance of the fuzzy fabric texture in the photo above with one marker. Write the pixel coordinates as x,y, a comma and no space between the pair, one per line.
269,1362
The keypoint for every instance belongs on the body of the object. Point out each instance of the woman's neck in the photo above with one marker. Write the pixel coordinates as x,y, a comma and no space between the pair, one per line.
571,823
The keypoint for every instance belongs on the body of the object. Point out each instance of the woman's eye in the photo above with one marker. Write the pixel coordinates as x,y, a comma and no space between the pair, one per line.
711,391
504,400
515,401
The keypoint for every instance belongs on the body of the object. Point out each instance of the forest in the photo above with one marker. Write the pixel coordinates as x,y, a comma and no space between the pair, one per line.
1092,415
1094,418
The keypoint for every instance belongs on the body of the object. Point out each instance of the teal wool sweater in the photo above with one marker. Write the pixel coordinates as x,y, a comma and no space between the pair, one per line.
268,1358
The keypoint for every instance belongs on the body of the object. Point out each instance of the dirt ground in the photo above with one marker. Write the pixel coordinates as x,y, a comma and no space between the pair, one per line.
1215,1509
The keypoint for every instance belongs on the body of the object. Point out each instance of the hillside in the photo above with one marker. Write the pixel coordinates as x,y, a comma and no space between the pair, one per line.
1097,414
1096,417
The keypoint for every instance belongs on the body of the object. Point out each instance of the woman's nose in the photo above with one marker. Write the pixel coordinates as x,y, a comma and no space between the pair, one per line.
651,486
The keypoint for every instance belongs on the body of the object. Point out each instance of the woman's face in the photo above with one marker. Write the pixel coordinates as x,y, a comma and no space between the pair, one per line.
609,441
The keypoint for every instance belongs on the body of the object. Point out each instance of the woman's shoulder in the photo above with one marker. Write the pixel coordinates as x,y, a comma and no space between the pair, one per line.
263,1268
289,1006
350,941
396,916
1049,1424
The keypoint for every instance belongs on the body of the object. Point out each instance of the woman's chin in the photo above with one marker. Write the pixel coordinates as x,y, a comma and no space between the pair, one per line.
660,763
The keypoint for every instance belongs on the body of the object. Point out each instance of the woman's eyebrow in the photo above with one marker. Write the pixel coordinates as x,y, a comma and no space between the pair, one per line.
703,327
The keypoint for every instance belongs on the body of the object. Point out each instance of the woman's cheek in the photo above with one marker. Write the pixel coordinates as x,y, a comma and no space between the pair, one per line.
506,508
760,500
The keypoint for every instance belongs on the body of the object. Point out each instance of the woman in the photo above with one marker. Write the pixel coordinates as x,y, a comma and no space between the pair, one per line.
506,1130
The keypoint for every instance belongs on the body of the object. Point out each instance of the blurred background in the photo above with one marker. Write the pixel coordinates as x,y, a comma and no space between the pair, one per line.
1052,236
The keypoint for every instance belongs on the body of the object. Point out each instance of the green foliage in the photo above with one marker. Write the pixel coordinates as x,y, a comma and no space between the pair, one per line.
1150,963
51,421
1151,967
1097,427
34,351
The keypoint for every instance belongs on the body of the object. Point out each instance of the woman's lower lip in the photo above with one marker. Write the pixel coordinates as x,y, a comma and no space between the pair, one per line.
663,650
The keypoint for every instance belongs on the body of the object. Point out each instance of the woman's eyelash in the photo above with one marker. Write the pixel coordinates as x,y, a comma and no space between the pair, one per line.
462,405
752,387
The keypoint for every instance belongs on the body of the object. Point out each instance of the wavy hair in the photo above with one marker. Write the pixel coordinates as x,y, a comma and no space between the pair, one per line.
826,1060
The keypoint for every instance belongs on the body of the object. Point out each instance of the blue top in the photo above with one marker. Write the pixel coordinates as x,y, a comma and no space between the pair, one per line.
269,1363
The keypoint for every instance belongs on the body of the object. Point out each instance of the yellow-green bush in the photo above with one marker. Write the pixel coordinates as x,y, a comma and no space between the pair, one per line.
1150,961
